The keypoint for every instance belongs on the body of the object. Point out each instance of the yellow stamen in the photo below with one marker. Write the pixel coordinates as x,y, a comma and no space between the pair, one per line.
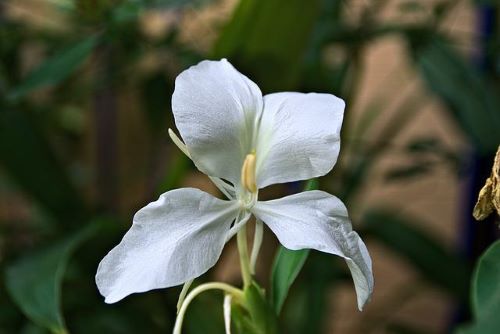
248,173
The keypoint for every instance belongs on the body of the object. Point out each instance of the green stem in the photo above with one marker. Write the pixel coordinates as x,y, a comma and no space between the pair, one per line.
257,243
236,293
244,259
182,296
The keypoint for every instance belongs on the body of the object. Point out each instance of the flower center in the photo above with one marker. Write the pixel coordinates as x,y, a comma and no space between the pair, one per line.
248,173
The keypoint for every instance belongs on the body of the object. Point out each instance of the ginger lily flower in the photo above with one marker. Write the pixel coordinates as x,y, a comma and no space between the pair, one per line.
232,133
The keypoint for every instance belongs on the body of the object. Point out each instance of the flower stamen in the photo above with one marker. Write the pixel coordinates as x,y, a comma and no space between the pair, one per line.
248,173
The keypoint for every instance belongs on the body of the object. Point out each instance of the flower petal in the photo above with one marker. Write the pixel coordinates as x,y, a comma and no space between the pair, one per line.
318,220
216,110
299,137
172,240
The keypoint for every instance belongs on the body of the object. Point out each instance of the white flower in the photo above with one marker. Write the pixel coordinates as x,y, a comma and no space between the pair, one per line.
233,133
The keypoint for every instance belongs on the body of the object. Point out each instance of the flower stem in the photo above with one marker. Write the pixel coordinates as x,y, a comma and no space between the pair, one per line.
236,293
257,242
227,312
244,260
182,296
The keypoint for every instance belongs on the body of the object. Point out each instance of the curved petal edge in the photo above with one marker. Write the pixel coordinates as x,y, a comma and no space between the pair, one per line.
299,137
172,240
318,220
216,109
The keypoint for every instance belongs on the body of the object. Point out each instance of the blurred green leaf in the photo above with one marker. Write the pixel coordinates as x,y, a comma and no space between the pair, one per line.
263,317
173,4
126,12
241,321
27,158
424,145
436,263
433,147
417,169
411,6
205,314
401,328
179,166
34,282
309,308
31,328
485,294
268,40
474,104
287,265
156,100
56,68
486,282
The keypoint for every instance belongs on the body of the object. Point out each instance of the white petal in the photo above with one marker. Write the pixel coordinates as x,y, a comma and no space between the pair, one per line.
172,240
216,109
318,220
299,137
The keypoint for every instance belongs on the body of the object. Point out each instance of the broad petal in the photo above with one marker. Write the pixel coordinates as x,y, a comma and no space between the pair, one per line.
318,220
299,137
216,109
172,240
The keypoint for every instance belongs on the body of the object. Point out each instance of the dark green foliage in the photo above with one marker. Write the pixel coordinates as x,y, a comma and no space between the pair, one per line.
474,103
28,158
268,40
436,263
57,68
34,282
260,311
287,266
485,293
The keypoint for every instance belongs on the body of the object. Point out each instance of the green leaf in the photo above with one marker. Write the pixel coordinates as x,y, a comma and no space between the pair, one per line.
437,264
173,4
241,321
261,313
485,293
412,171
308,308
473,103
34,282
28,159
287,265
56,68
205,315
312,184
178,168
402,328
486,282
268,40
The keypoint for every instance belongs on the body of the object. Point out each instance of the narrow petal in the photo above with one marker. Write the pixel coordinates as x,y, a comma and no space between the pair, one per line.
227,313
318,220
216,110
171,241
299,137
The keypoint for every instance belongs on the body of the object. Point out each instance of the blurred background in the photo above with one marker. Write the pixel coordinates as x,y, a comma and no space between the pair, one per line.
85,89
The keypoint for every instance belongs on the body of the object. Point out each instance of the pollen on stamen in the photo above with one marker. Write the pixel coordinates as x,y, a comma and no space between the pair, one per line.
248,173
